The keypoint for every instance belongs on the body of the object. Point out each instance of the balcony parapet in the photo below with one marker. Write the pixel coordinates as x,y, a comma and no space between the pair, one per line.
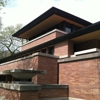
30,56
55,30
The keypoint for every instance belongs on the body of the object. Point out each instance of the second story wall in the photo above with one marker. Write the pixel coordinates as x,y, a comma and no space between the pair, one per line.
64,48
43,38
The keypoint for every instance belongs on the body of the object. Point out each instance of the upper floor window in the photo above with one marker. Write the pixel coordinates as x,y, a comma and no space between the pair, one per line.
43,50
74,28
51,50
67,27
68,30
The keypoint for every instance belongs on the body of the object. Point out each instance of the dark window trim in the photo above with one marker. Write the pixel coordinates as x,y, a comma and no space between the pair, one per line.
50,50
44,50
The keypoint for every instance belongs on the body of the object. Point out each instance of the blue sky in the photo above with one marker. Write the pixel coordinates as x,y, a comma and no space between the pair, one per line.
24,11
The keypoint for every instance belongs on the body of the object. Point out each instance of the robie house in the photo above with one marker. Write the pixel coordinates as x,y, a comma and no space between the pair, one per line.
64,50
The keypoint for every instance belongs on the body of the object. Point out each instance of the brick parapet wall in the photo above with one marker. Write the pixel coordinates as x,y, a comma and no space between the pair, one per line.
83,78
9,94
47,91
17,95
53,93
29,95
39,61
50,66
44,38
64,48
30,63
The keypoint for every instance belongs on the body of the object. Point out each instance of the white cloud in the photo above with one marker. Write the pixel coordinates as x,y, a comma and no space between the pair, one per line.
27,10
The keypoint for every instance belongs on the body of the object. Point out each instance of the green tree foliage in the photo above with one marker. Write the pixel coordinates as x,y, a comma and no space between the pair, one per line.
10,45
3,3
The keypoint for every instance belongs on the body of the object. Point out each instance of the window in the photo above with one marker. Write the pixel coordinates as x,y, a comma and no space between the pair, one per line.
51,50
43,50
68,27
74,28
68,30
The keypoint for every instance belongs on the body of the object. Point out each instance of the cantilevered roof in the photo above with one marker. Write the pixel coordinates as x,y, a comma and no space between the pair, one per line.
47,20
87,33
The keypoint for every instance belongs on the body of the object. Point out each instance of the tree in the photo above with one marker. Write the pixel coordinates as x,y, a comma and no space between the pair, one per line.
10,45
3,3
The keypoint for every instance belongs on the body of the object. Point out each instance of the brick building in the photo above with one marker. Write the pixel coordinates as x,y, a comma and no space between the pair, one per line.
65,46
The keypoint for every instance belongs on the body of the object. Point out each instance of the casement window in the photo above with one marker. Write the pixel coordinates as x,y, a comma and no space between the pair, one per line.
43,50
68,30
51,50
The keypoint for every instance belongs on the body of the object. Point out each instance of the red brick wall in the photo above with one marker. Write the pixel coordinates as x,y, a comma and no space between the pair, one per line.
83,78
29,95
33,95
16,95
42,40
53,93
9,94
64,48
48,64
22,64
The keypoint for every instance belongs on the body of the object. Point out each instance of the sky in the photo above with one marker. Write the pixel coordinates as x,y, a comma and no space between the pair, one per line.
24,11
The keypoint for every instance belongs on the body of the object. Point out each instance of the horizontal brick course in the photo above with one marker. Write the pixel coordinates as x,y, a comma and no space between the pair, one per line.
49,64
33,95
64,48
9,94
53,93
83,78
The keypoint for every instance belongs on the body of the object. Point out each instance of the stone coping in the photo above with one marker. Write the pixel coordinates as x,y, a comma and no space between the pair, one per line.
55,30
61,98
30,56
80,57
71,98
54,86
23,74
20,87
1,73
56,98
23,71
7,72
30,87
87,51
65,56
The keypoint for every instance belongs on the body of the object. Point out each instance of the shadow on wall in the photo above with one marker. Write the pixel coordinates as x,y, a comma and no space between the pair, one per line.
30,63
12,95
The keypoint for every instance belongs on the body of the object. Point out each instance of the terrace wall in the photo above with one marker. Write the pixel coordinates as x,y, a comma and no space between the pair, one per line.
35,92
37,61
83,78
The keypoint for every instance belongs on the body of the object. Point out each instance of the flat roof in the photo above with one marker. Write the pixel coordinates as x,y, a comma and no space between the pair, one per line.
87,33
48,19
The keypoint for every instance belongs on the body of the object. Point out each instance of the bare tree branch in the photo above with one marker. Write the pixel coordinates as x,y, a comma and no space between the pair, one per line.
9,44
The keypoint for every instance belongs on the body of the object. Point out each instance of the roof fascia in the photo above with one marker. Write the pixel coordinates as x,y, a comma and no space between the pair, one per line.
47,14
